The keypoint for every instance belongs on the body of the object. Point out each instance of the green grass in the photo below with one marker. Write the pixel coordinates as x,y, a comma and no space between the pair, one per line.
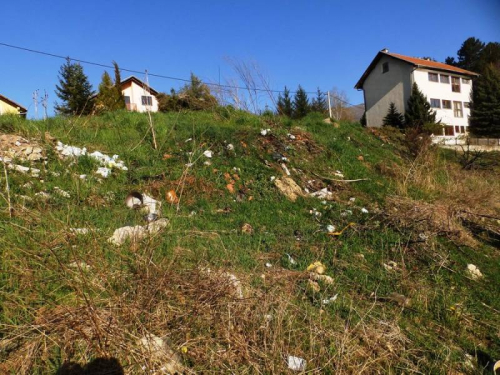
36,247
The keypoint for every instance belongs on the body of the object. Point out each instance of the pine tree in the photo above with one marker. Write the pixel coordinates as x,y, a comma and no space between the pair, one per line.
469,54
108,98
120,99
196,95
284,104
394,117
75,91
418,112
319,103
301,105
485,106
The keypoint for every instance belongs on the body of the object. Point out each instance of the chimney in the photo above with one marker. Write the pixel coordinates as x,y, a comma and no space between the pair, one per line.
385,50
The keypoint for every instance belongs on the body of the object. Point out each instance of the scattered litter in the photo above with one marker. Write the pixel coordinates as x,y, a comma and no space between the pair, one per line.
331,228
342,231
207,162
361,158
43,195
188,140
364,210
62,192
323,278
81,231
137,233
313,285
265,132
330,300
346,213
134,200
315,212
79,265
208,153
247,228
339,174
423,237
82,177
19,168
151,217
268,265
322,194
66,150
189,165
230,147
172,197
103,172
474,272
291,136
352,199
316,267
390,266
284,167
288,187
296,363
150,205
291,260
273,178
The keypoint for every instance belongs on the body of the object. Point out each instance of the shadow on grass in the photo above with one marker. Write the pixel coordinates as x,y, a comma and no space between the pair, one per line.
98,366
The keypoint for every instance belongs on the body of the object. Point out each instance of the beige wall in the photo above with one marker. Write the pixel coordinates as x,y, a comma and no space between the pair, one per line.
7,108
135,92
380,89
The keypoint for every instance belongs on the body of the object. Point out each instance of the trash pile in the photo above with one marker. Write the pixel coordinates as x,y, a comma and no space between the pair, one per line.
107,162
16,147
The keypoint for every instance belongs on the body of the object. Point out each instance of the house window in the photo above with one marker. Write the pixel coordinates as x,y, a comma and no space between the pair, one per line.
127,99
433,77
455,84
435,103
462,128
457,129
457,109
385,67
147,100
466,104
448,130
444,78
447,104
466,81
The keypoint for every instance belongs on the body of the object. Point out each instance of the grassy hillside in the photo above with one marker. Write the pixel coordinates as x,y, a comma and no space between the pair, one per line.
405,232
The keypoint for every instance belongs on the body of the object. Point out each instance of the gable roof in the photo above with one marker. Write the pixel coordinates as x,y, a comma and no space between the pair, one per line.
22,109
416,62
137,81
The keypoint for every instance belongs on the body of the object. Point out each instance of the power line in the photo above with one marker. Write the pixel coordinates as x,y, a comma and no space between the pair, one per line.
155,75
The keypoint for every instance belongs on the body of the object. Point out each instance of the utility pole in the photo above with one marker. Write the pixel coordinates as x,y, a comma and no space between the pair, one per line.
329,105
35,102
45,103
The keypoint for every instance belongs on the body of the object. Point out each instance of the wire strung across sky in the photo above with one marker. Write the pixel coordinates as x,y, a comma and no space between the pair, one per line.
158,75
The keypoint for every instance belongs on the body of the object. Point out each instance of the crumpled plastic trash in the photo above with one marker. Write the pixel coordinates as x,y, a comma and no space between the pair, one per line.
330,300
208,153
103,172
316,267
296,363
265,132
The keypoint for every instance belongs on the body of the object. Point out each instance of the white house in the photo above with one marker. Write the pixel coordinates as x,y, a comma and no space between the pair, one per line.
138,95
390,76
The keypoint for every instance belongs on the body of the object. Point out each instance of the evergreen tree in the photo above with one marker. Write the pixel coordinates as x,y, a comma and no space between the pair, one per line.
120,99
469,54
394,117
109,97
75,91
485,106
284,104
319,103
301,105
418,112
196,95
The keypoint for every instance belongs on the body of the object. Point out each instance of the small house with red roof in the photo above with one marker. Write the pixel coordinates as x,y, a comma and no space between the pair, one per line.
390,76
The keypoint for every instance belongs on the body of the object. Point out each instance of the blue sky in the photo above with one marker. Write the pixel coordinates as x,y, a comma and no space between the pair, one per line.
311,42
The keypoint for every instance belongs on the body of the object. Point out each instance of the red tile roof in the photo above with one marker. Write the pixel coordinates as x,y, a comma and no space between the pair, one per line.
421,63
431,64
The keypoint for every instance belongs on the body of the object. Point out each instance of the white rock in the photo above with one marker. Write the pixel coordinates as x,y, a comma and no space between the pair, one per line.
330,300
136,233
296,363
364,210
230,147
208,153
